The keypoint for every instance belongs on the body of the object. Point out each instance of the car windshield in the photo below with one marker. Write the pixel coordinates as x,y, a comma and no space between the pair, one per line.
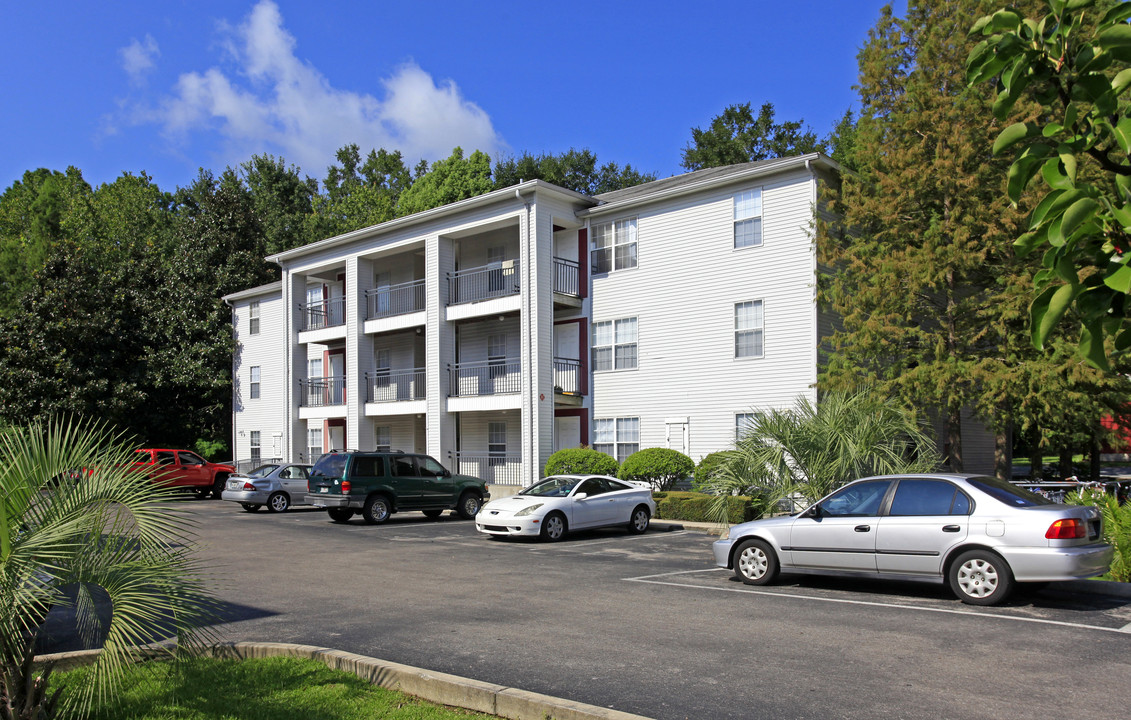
1008,493
262,471
329,465
552,487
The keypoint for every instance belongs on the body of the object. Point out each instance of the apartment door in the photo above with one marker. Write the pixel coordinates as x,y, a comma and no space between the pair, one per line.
336,381
337,435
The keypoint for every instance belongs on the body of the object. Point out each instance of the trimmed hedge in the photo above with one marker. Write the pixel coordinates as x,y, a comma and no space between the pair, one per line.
659,467
696,507
581,461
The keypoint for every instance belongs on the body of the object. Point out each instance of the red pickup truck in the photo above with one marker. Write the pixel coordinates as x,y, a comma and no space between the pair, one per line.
183,469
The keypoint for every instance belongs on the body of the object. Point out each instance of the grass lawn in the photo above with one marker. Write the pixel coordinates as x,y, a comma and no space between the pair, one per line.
259,689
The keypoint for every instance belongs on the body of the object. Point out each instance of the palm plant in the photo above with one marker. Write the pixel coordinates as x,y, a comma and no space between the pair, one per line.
811,449
1116,525
77,525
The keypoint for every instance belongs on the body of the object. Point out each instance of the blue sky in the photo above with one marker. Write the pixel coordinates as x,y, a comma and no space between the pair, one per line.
167,87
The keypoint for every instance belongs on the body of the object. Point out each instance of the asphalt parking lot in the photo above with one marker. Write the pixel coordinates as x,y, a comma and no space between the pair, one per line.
646,624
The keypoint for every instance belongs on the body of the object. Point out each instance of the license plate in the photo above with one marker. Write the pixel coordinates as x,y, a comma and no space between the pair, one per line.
233,484
323,490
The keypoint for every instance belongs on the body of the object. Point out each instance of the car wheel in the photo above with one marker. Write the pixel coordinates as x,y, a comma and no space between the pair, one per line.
980,577
432,514
250,507
469,504
755,562
376,510
554,527
278,501
638,523
218,486
340,515
203,493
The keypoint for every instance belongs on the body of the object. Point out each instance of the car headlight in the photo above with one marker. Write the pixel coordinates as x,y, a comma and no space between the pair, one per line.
724,533
528,509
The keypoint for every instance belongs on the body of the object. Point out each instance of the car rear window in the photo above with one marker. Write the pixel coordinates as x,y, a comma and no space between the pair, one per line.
329,466
1008,493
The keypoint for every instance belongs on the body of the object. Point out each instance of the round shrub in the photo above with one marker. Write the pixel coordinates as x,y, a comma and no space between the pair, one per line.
659,467
581,461
707,467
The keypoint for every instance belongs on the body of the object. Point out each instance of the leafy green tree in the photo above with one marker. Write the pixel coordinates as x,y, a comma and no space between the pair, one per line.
574,169
447,181
359,194
812,449
581,461
661,468
282,200
1075,63
141,563
737,136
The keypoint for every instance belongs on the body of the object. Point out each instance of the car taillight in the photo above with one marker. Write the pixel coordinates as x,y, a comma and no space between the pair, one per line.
1067,529
249,486
346,487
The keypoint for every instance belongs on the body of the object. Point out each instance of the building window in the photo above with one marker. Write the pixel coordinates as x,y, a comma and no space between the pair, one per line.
497,355
742,424
614,345
314,443
253,318
748,329
614,246
496,443
256,451
383,438
748,219
254,382
619,437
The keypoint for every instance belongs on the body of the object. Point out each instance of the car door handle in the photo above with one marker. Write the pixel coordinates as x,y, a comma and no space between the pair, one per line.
951,528
862,528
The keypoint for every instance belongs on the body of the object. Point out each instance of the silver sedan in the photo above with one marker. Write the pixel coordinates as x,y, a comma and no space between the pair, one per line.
276,486
979,534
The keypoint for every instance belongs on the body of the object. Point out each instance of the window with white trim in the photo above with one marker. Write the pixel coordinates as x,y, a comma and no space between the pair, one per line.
254,387
614,345
742,423
496,443
314,443
383,438
614,245
748,329
256,446
748,219
253,318
619,437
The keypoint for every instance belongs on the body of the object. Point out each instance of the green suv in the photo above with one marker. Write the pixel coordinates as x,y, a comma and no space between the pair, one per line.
381,483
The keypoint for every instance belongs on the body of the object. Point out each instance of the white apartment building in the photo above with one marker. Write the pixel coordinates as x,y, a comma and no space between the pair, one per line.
493,331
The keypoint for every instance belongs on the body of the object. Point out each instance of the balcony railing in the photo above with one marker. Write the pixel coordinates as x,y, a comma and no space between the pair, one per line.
494,468
246,466
567,376
323,313
567,277
322,392
493,377
496,280
393,300
383,386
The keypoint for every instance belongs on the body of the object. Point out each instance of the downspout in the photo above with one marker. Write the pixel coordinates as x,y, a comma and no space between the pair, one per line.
816,271
233,393
529,452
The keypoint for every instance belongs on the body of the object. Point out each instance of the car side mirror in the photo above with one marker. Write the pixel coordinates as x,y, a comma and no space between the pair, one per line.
580,496
813,512
447,473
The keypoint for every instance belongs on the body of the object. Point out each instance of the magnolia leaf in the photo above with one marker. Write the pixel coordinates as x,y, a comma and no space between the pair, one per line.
1122,215
1004,19
1121,81
1121,131
1028,242
1117,14
1047,310
1012,135
1068,159
1056,232
1120,280
1053,176
1123,341
1081,210
1118,35
1050,129
1078,4
1091,346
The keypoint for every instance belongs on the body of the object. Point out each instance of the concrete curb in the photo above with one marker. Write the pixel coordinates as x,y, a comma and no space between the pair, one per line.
436,687
1090,587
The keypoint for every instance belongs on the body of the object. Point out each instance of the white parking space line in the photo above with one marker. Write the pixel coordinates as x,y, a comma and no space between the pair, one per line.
651,579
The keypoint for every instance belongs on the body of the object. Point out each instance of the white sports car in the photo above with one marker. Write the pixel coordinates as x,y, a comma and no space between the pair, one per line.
555,505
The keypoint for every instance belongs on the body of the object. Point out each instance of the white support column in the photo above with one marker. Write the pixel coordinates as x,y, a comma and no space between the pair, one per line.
439,343
536,250
359,353
294,430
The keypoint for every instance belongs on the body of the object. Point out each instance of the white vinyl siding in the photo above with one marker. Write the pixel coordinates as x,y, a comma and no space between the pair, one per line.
258,327
614,246
748,218
748,329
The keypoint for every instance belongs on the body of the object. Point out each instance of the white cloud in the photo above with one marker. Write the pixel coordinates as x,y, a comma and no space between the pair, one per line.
274,102
137,58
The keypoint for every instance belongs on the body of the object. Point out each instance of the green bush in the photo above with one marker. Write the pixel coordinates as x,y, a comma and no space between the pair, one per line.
659,467
706,468
1117,528
698,507
581,461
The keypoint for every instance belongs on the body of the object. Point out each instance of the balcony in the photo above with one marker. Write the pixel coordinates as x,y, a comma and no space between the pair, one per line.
323,313
493,377
394,300
567,277
568,380
322,392
488,282
492,468
390,386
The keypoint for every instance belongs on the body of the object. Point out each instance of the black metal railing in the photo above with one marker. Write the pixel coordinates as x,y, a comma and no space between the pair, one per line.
567,376
484,283
393,300
321,392
384,386
493,468
323,313
567,277
493,377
